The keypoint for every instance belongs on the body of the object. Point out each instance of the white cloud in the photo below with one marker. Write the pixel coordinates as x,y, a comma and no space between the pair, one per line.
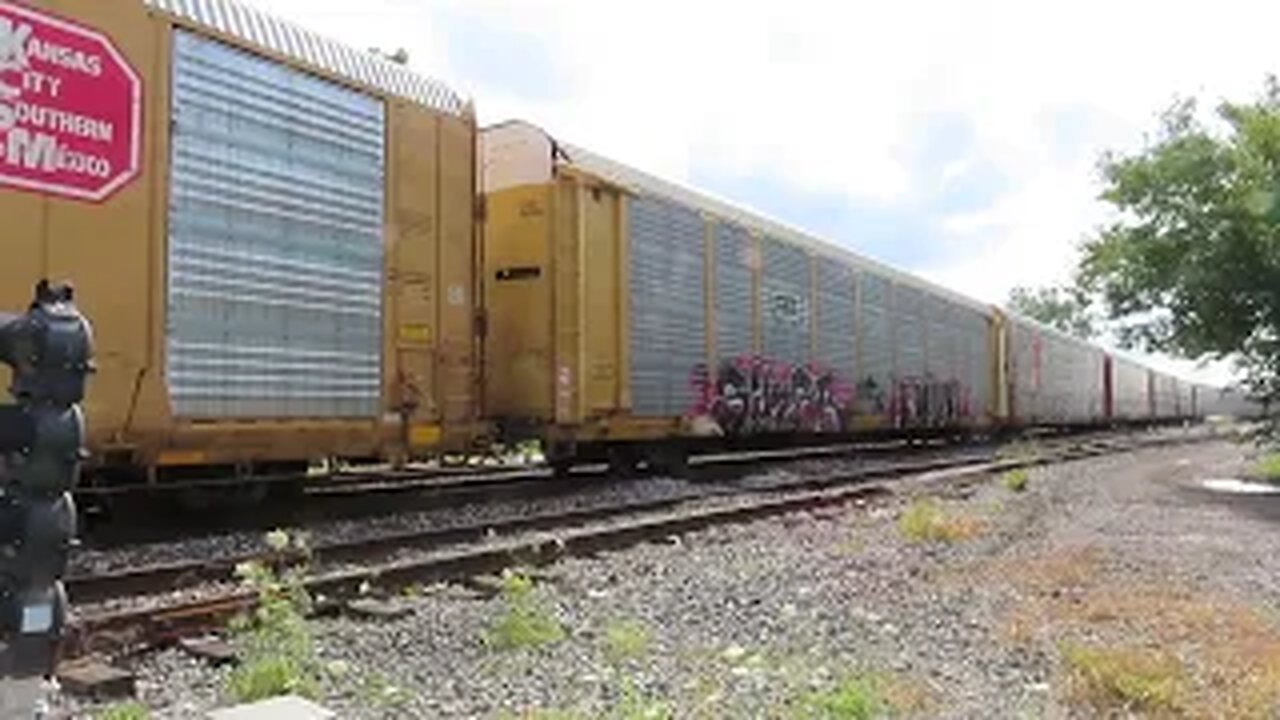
838,97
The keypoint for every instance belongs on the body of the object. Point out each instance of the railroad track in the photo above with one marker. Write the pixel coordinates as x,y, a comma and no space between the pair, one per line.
368,493
347,569
357,495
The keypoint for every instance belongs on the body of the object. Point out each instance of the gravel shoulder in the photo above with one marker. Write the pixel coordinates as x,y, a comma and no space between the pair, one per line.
1103,568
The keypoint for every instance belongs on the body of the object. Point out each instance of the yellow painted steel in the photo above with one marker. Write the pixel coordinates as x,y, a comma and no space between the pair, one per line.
115,252
556,344
566,263
998,343
519,381
601,311
425,436
624,306
169,458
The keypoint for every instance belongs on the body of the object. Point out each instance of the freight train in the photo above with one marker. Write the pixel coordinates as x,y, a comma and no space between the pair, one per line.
293,250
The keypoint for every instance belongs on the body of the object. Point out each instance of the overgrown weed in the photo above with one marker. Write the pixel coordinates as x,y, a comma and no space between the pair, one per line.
625,640
524,622
924,520
1020,451
1267,467
1016,479
1126,679
275,640
857,697
131,710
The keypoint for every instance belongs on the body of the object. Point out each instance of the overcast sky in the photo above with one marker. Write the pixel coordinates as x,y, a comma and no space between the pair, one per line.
957,140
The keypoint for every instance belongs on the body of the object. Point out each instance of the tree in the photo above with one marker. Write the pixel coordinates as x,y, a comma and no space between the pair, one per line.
1192,264
1063,307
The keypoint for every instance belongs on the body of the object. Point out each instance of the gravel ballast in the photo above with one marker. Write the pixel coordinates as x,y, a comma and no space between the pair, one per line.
747,620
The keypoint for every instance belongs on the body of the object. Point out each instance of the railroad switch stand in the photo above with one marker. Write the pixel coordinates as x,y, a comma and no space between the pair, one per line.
49,349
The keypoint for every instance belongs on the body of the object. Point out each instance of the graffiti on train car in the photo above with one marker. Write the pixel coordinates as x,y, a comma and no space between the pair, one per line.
929,402
751,394
870,397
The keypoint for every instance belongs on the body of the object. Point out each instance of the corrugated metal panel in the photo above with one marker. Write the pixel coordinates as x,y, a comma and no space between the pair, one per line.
312,49
668,314
978,359
1186,399
1025,370
1129,389
734,298
1057,378
275,240
837,326
875,345
1166,396
940,358
910,331
785,298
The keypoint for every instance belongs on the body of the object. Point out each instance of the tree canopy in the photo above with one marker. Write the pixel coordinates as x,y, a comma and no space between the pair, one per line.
1065,308
1191,264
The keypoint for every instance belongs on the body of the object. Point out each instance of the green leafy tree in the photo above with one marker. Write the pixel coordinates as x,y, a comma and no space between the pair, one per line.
1191,265
1066,308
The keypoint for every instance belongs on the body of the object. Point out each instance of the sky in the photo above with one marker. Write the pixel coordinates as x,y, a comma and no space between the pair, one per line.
956,140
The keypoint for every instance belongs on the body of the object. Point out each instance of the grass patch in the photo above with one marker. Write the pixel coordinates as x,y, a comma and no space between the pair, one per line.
375,690
1126,679
924,520
634,704
524,623
125,711
858,697
275,639
1018,451
625,640
853,699
1267,467
1016,479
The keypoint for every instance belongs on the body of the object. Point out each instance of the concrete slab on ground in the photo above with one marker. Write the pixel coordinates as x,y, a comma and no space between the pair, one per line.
288,707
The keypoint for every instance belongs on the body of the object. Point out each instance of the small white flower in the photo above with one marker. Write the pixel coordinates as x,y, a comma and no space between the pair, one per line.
734,653
278,540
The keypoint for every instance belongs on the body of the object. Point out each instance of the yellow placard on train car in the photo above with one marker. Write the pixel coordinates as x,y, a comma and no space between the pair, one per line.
182,457
424,435
416,333
868,422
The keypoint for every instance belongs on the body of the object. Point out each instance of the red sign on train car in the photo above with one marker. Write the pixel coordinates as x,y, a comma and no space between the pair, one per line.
70,107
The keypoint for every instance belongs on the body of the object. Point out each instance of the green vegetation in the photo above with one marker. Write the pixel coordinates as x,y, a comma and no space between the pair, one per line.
1125,679
1016,479
377,691
637,705
1267,468
924,520
1018,451
525,623
625,640
1190,263
1064,308
855,698
274,639
126,711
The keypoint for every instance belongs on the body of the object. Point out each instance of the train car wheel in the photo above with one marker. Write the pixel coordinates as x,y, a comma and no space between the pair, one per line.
672,460
624,462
